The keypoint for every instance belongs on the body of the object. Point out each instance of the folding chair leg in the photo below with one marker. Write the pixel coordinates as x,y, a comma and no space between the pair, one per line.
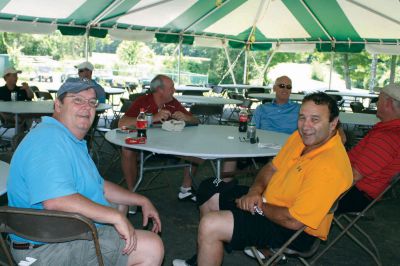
345,231
6,252
255,252
375,255
279,254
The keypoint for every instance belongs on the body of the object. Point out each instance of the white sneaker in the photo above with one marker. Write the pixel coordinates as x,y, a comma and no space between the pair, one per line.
178,262
250,253
187,195
189,262
132,210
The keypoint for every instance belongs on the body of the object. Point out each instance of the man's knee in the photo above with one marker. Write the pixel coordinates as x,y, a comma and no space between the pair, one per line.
150,249
215,226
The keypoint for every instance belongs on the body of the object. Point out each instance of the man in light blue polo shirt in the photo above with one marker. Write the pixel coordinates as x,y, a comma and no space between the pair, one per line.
51,169
280,115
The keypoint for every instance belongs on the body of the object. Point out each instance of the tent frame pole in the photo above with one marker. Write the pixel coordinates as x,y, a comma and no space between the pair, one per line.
393,63
87,44
231,67
229,64
133,11
374,62
272,54
245,66
331,70
179,58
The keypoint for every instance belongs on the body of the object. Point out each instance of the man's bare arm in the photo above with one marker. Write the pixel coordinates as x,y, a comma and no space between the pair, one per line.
281,216
254,196
127,121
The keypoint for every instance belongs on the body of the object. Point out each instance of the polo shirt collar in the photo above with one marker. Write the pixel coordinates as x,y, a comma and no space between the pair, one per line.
389,124
335,140
283,105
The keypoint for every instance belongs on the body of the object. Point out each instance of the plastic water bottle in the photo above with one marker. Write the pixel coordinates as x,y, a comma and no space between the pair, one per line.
13,96
251,133
141,124
243,117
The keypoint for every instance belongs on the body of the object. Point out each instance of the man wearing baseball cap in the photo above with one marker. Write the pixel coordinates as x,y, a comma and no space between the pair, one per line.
23,93
85,71
51,169
376,158
20,93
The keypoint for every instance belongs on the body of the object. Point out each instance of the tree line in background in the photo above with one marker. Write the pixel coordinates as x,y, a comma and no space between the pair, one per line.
354,68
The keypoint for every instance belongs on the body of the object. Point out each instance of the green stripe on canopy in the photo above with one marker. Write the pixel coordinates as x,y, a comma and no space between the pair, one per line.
170,38
305,19
67,30
333,20
217,14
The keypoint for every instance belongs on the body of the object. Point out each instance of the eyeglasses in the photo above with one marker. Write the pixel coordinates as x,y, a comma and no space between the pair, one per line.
282,86
81,101
82,70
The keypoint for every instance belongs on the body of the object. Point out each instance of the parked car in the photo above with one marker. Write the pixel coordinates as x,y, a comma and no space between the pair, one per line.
44,74
103,76
69,73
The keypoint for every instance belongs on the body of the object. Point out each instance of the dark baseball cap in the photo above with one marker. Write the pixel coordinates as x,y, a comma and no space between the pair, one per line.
75,85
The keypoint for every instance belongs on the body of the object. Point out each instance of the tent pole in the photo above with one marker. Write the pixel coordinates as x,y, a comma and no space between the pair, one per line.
272,53
229,64
373,73
331,70
233,65
87,44
179,58
393,69
245,66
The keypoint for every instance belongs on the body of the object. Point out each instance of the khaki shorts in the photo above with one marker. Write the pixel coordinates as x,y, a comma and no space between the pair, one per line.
78,252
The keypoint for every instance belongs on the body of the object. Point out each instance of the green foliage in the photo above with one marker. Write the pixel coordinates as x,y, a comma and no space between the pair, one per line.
135,53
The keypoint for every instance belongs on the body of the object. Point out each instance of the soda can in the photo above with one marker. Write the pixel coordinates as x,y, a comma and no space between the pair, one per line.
149,118
13,96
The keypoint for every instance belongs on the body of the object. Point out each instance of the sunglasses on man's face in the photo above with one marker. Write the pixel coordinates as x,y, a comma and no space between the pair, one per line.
82,70
282,86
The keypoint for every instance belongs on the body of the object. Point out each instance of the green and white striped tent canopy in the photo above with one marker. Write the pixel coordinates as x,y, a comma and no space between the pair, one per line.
284,25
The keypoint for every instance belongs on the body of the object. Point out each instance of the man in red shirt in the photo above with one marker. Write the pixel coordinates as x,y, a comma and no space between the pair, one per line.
163,106
376,158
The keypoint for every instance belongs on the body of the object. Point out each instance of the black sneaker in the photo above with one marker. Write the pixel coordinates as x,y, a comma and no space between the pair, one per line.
190,262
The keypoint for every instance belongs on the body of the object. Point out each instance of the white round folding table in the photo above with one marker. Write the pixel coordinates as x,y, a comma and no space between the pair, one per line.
271,96
210,142
354,94
360,119
4,169
206,100
35,108
181,88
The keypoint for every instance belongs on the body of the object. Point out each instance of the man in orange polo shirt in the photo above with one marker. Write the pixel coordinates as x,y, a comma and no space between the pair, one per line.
297,188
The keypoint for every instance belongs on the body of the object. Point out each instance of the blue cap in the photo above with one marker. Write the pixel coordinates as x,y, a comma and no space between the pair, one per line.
75,85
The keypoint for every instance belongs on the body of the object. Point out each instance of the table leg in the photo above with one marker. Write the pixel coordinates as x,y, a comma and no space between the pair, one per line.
218,179
16,124
141,170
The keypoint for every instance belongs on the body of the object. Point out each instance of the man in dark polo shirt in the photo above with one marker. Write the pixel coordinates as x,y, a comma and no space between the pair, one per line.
23,93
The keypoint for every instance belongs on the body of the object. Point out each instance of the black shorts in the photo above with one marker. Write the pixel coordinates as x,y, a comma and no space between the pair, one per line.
355,200
257,230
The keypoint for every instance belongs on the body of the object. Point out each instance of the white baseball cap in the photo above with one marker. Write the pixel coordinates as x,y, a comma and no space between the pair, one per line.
393,90
11,70
84,65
